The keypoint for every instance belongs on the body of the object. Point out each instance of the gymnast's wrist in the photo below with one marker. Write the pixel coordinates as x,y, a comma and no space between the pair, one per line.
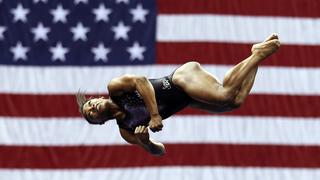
154,114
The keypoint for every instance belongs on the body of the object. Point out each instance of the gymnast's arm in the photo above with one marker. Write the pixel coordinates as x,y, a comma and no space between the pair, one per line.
141,138
129,83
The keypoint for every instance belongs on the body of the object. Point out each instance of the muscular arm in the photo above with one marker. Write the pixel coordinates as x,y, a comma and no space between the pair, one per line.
129,83
141,138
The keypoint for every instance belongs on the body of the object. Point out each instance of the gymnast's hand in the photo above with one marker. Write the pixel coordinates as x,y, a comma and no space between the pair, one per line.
141,132
155,123
143,140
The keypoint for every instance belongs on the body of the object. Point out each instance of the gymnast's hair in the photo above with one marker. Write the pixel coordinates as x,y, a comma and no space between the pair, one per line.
81,100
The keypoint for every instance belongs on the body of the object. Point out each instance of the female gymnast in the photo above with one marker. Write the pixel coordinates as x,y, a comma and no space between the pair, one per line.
138,103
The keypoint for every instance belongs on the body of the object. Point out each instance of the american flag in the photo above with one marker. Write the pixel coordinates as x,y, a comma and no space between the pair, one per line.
51,48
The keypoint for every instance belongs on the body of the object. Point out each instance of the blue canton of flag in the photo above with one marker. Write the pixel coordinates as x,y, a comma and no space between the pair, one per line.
79,32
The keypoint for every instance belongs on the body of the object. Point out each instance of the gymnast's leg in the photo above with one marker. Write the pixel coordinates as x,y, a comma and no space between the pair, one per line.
245,72
203,87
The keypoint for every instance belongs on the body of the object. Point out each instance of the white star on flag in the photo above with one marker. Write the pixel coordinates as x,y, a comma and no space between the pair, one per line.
81,1
79,32
136,51
40,32
19,13
59,52
102,13
100,53
59,14
36,1
139,14
121,31
2,30
19,52
124,1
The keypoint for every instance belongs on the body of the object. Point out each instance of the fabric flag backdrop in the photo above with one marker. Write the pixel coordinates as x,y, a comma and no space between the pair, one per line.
51,48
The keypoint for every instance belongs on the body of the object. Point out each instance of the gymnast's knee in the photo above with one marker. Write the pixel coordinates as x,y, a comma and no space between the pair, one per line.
232,99
236,103
228,95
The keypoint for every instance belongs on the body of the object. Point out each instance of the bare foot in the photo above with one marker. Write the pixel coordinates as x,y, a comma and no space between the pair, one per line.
271,37
267,47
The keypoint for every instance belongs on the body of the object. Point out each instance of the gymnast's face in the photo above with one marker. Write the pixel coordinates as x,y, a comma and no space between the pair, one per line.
97,110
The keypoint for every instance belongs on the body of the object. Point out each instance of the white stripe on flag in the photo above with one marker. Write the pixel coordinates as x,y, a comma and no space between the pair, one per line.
178,129
242,29
48,80
165,173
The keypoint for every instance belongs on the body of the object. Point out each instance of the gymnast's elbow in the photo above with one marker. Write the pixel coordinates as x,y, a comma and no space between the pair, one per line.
156,149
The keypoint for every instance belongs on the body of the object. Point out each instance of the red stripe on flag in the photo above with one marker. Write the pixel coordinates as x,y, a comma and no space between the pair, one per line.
177,155
296,8
26,105
233,53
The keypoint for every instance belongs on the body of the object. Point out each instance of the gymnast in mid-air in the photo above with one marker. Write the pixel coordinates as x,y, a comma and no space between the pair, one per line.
139,104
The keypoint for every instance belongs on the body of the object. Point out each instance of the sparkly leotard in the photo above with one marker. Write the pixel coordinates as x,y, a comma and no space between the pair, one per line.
170,100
